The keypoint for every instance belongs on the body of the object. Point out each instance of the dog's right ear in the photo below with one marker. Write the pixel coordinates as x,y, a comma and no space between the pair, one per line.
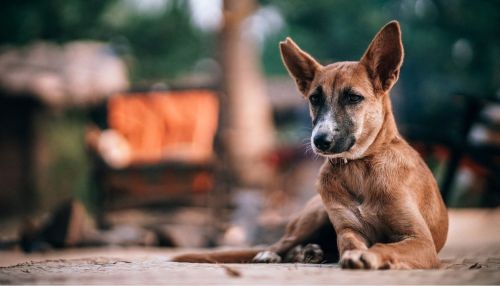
301,66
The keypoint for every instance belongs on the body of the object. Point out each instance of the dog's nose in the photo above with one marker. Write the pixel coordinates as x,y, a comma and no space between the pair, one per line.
322,141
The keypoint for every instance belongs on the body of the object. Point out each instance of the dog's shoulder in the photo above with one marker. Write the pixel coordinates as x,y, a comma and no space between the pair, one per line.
397,154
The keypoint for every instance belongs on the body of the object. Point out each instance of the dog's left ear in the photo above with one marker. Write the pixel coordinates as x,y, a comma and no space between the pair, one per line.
300,65
384,56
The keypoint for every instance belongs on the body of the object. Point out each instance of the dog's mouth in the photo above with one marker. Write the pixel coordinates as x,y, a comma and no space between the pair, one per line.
339,146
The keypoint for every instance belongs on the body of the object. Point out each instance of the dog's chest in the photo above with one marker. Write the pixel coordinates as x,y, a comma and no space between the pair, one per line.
354,192
365,208
368,220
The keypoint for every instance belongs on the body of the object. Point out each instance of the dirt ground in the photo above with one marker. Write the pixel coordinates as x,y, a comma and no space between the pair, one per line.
471,256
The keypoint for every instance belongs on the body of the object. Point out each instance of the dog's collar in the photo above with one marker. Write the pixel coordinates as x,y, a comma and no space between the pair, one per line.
337,162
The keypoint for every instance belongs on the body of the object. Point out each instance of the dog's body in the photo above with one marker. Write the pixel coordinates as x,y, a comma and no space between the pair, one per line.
374,189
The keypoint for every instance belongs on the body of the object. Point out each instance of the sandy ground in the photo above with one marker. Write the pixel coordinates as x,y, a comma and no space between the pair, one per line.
471,256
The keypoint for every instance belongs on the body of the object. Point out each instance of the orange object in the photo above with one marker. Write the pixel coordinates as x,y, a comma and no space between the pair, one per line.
166,125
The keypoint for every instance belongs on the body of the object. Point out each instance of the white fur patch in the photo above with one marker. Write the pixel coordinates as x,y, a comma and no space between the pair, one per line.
267,257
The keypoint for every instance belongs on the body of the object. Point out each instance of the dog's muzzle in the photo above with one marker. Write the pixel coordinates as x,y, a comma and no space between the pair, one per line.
328,144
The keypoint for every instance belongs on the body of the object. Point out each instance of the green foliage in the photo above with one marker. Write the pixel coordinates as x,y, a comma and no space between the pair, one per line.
449,45
57,20
157,44
164,43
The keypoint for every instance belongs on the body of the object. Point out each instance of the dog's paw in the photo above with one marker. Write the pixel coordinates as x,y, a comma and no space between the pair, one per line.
366,259
312,253
267,257
362,259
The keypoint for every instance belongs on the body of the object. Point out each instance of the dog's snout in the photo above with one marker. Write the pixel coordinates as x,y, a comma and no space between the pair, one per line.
323,141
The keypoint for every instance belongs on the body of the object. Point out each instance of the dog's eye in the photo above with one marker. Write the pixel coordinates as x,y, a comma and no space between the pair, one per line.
316,99
353,98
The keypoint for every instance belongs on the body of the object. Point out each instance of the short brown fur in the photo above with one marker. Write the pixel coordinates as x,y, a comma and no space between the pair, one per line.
379,196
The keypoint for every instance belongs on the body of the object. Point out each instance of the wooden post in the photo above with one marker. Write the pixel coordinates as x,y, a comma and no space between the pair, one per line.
248,130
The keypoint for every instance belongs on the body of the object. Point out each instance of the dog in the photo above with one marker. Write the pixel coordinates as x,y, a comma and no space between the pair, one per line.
378,204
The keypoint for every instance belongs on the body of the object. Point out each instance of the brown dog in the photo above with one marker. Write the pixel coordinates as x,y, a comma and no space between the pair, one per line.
376,191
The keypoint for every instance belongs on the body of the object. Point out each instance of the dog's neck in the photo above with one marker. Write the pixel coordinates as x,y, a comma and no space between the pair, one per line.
387,134
389,130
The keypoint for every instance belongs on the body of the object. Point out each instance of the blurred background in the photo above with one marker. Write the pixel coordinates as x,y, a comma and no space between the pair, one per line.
174,122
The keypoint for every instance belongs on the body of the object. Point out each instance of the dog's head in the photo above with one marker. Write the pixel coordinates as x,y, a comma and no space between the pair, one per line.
346,99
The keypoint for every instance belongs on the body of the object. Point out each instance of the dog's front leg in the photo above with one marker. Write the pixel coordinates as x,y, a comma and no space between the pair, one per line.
411,253
351,246
352,243
412,249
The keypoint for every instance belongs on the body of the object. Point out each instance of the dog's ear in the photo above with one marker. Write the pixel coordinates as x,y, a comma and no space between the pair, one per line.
301,66
384,56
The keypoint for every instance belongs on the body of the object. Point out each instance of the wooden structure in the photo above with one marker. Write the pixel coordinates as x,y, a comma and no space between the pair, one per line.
170,137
